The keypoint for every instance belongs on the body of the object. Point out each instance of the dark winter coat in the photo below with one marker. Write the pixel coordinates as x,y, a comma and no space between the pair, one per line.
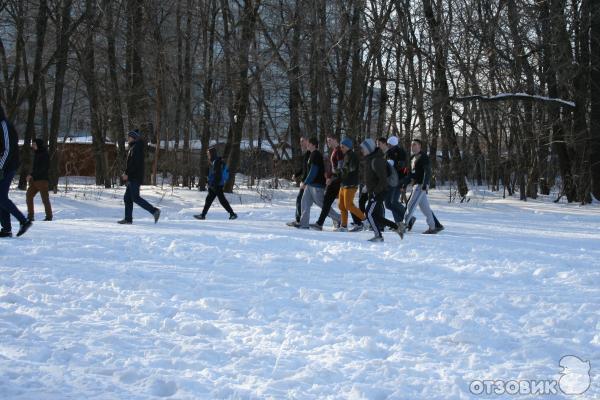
9,145
215,172
420,170
302,172
41,164
349,173
316,170
135,162
398,156
376,173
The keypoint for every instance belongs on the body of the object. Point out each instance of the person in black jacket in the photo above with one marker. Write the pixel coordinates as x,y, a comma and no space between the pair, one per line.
377,185
134,177
419,180
217,177
300,175
349,176
9,162
38,180
396,158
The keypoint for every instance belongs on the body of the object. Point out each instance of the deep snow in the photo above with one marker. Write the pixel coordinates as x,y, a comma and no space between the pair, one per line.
254,309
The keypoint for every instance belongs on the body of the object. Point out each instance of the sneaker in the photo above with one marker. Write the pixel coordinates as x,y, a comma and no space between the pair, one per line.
376,239
31,218
24,227
411,222
48,219
5,234
200,216
292,224
302,227
156,215
401,229
357,228
439,228
430,232
124,222
337,224
233,216
316,227
341,229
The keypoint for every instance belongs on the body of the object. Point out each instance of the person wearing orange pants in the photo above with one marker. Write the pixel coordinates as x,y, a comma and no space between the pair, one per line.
348,175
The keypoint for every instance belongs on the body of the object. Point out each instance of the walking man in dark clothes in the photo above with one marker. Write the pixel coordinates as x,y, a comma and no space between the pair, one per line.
349,176
419,180
376,183
9,162
38,180
217,177
134,177
314,185
332,182
301,174
396,158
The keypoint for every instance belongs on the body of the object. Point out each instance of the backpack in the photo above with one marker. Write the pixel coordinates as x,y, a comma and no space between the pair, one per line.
392,174
224,175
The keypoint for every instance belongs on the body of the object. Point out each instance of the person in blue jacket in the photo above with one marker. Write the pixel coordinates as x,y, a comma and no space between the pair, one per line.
217,177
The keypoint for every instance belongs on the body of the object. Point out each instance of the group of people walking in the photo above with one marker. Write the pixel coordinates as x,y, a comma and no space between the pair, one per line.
381,179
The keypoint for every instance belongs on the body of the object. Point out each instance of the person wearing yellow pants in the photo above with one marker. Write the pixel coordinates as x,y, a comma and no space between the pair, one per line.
348,175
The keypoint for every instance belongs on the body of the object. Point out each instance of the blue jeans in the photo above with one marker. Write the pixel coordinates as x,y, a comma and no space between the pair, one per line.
132,195
7,207
392,203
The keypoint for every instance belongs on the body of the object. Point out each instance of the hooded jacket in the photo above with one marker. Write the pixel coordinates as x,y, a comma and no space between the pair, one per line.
135,162
41,162
349,173
376,173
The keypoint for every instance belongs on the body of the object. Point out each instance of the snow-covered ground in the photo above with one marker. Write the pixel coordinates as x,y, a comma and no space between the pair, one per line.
253,309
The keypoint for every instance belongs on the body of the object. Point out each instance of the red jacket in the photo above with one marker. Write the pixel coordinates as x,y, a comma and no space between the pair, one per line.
337,160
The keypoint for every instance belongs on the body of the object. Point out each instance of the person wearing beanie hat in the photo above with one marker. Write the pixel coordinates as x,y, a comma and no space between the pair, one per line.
349,184
392,141
135,134
377,186
38,180
9,163
332,184
396,158
218,175
134,177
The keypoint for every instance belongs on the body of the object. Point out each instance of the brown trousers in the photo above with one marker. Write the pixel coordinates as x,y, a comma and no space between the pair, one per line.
42,188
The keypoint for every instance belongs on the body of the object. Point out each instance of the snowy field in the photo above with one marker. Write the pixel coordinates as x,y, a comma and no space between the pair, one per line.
252,309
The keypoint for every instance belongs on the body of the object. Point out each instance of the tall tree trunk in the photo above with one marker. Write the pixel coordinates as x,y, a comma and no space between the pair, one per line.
248,23
441,97
594,154
88,72
34,87
62,39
